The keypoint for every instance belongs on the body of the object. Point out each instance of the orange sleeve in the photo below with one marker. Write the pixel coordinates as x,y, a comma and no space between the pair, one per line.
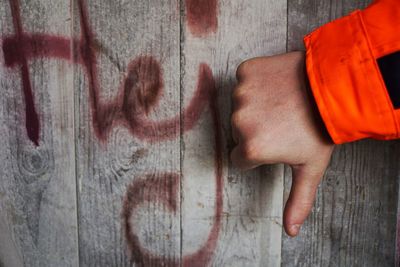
342,67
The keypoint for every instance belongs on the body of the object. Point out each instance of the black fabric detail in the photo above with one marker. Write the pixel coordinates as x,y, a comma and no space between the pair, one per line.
390,69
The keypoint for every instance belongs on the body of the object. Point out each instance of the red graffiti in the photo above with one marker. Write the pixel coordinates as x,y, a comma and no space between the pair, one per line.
202,16
148,189
129,108
162,189
137,96
31,116
34,46
205,253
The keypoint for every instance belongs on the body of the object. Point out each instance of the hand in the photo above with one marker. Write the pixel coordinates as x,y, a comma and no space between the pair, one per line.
275,120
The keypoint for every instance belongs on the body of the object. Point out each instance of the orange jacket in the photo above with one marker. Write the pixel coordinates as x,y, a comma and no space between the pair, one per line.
353,65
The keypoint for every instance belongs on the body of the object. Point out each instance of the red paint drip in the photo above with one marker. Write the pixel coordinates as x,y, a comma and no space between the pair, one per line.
31,116
150,190
202,16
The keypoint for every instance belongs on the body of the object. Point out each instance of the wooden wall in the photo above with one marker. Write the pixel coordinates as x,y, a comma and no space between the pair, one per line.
115,140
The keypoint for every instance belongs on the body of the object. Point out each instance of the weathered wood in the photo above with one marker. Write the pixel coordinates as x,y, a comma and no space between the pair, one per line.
354,219
246,229
127,162
129,210
397,257
38,225
353,222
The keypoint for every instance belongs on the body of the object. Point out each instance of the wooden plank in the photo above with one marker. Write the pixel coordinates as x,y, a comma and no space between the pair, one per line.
353,222
397,257
229,218
128,148
38,215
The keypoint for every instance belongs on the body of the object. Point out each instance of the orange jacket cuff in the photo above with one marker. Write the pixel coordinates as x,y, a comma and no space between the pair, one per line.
341,60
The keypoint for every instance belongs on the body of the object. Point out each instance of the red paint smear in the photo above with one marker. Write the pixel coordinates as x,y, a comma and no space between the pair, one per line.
201,16
34,45
163,189
205,253
31,116
143,75
138,94
149,190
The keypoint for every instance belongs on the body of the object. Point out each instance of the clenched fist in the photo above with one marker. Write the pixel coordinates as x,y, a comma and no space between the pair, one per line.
276,121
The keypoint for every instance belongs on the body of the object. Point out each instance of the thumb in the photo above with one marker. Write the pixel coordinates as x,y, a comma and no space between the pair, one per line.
305,181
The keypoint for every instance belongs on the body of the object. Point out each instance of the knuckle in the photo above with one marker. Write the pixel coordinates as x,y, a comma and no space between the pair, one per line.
238,93
242,69
236,119
250,151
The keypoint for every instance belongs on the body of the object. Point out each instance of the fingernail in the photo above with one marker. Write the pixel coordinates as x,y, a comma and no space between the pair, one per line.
294,229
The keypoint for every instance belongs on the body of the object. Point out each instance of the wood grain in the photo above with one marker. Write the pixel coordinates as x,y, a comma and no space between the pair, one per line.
129,162
38,217
249,224
353,222
116,34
